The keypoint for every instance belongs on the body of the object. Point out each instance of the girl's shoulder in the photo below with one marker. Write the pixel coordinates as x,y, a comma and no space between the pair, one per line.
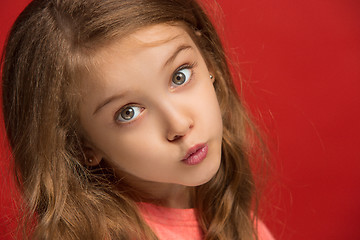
172,223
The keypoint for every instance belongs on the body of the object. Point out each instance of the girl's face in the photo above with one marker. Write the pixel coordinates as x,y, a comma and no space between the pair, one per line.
150,111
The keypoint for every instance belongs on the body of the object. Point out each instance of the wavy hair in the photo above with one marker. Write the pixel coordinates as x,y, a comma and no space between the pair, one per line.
50,42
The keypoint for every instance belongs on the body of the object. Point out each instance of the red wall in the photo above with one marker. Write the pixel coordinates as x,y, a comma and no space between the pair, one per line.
301,60
301,66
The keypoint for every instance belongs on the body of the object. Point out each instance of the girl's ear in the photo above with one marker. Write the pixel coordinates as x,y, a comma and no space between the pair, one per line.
92,156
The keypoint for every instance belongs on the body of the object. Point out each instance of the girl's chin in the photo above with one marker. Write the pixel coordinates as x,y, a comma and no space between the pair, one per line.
203,179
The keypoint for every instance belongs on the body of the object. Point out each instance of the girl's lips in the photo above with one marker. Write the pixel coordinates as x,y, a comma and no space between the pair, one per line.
196,154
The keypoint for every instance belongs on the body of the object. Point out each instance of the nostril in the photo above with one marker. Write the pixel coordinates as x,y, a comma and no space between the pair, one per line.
175,137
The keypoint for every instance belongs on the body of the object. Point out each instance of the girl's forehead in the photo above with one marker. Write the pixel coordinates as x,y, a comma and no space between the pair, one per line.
161,42
150,36
157,34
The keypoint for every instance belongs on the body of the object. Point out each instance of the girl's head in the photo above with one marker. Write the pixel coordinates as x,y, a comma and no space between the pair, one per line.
134,86
147,103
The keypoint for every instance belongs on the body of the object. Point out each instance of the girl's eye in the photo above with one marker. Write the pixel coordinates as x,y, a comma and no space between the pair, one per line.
128,113
181,76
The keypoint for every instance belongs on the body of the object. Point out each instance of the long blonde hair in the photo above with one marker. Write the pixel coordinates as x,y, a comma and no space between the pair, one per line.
49,42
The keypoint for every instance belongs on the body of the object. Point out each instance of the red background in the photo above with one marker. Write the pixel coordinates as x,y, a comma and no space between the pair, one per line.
301,66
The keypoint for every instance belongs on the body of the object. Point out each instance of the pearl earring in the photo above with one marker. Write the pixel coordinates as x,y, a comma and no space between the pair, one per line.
211,76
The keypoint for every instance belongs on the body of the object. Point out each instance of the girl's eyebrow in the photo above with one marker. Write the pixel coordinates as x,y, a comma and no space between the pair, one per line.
179,49
108,100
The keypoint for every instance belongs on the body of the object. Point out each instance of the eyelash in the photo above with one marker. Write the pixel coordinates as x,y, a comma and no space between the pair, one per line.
187,65
133,105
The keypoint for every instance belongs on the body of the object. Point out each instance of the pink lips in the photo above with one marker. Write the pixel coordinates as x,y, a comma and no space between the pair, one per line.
196,154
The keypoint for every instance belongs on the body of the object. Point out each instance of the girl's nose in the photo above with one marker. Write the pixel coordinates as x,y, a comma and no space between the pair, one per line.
178,123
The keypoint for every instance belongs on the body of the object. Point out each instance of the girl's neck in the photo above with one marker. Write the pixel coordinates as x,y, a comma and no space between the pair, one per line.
164,194
178,196
170,195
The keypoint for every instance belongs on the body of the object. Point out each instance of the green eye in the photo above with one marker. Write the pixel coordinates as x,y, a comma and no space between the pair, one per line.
128,113
181,77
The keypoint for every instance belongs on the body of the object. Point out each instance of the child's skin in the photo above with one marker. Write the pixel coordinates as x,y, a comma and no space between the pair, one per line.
147,146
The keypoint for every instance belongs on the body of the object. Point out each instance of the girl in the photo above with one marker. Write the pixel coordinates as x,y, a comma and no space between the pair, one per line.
124,123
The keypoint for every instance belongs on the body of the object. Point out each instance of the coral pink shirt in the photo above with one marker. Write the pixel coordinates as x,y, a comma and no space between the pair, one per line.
181,224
